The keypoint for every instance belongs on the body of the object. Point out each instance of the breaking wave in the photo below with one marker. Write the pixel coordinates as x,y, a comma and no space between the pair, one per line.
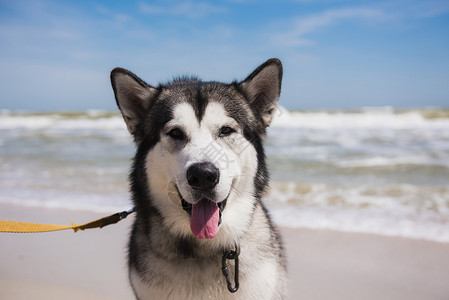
378,170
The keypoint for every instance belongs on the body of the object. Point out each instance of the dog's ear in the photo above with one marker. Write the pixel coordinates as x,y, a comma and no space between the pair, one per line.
133,96
263,88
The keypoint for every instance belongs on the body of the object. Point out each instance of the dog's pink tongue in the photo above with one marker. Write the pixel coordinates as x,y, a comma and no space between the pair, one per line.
204,219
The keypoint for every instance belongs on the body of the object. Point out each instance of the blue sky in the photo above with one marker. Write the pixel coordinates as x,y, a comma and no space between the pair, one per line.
57,55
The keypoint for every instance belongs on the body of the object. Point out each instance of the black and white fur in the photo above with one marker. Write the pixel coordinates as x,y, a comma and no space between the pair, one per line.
175,127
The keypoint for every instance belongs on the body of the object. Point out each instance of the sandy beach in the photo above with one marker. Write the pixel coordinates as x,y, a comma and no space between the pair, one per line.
322,264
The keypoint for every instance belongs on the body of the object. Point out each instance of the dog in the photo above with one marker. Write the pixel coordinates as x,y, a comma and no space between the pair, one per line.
201,230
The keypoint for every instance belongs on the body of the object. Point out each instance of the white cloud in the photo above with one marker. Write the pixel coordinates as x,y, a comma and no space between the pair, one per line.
394,12
418,9
151,9
189,9
304,26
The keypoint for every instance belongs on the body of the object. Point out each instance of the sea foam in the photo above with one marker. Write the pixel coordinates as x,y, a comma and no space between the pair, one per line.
377,170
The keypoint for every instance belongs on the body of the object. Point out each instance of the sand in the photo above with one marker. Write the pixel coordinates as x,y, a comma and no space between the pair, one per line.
322,264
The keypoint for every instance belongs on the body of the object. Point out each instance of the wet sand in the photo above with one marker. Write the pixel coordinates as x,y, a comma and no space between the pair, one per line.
322,264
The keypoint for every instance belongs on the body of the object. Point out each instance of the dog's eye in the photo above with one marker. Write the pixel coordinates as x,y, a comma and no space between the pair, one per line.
226,131
176,134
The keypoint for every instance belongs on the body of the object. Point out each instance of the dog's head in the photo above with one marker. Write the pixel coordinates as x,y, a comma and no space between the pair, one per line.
200,162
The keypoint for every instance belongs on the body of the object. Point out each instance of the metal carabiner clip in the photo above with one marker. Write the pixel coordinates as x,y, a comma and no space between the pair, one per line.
231,254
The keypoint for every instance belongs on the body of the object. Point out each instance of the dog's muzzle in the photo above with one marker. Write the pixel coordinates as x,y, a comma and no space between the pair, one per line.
205,214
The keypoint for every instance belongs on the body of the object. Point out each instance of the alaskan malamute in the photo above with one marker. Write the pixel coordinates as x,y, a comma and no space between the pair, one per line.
201,230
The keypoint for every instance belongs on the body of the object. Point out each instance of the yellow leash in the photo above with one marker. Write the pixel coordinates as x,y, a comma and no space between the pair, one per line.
22,227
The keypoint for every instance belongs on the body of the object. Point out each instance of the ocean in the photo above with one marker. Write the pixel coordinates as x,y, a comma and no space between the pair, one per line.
372,170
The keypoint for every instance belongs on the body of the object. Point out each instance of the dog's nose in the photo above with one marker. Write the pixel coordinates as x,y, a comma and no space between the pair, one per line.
203,175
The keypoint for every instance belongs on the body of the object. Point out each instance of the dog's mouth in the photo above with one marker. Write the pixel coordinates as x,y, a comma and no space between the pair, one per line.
205,216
